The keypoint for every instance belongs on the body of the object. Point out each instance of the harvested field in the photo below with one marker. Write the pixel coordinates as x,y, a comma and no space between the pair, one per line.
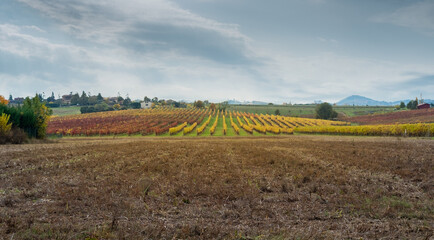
304,187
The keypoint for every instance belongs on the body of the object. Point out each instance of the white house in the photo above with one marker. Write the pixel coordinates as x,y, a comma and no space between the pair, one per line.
146,105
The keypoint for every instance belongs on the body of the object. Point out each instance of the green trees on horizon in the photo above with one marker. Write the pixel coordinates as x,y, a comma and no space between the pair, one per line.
325,111
31,118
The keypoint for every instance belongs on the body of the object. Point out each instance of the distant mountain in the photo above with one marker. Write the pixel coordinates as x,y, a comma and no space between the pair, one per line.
358,100
235,102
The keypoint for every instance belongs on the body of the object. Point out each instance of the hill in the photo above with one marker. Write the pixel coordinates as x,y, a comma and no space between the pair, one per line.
358,100
235,102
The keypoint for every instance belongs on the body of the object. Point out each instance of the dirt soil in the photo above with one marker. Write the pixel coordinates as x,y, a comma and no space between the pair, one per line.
291,187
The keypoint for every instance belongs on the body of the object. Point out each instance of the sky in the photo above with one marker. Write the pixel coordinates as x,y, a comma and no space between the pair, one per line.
297,51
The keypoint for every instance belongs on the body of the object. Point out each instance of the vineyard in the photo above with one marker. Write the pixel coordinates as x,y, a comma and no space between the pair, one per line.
179,122
411,130
401,117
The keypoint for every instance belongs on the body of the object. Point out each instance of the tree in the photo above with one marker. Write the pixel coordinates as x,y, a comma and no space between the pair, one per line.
3,100
10,97
155,100
277,112
120,100
74,99
42,114
99,98
412,104
198,104
212,106
84,100
402,105
135,105
325,111
222,106
92,100
127,102
117,106
146,99
52,98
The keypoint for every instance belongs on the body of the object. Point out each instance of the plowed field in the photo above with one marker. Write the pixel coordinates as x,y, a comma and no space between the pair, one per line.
304,187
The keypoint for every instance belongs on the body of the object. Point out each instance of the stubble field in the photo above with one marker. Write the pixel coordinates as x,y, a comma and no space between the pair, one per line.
296,187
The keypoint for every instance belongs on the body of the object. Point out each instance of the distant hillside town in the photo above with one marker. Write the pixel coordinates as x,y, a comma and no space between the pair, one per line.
98,103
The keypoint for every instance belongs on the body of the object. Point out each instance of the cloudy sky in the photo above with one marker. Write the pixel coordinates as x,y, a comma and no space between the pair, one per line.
274,51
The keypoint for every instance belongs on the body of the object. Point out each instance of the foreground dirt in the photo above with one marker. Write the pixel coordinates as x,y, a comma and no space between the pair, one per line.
301,187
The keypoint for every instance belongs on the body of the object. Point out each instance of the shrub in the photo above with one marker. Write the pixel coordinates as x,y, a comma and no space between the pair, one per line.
17,136
14,136
5,126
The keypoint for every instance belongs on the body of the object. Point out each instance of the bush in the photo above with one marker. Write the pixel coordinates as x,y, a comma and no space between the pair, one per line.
277,112
135,105
84,110
17,136
5,126
14,136
100,107
21,117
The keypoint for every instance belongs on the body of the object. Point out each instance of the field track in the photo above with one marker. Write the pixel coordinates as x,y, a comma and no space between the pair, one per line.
305,187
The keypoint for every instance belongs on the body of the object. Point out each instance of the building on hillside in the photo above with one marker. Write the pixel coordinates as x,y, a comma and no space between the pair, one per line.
146,105
423,106
19,100
66,99
16,101
111,100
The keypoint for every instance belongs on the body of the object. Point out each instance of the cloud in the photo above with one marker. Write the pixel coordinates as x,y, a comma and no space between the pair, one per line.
147,26
426,81
333,76
15,40
157,48
418,16
327,40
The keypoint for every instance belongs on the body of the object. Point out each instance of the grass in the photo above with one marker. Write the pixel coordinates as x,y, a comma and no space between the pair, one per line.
65,111
286,187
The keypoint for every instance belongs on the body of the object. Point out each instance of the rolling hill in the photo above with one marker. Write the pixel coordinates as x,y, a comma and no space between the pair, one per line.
358,100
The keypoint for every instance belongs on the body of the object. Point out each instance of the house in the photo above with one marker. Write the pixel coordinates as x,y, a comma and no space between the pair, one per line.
19,100
111,100
146,105
16,101
66,99
423,106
